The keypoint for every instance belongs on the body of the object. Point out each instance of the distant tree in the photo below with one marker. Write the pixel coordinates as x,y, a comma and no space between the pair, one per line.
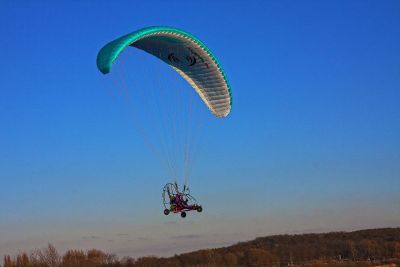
8,261
22,260
256,257
128,262
74,258
47,257
150,261
396,250
230,259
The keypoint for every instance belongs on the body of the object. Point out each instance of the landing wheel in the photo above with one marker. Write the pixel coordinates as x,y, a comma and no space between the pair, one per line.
199,209
183,214
166,211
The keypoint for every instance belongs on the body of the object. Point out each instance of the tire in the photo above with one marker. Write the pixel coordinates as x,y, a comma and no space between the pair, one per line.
183,214
199,209
166,211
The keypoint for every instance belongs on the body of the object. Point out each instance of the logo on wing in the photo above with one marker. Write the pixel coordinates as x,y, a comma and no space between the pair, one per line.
187,60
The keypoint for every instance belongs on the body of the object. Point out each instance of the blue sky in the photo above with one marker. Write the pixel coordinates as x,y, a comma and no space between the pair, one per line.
312,143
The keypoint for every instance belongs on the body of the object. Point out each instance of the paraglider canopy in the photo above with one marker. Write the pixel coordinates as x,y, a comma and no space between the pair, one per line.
190,57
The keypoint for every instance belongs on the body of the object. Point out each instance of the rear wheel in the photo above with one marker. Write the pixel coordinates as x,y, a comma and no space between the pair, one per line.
166,211
199,209
183,214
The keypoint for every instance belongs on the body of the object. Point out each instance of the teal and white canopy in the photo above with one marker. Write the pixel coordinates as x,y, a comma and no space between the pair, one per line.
190,57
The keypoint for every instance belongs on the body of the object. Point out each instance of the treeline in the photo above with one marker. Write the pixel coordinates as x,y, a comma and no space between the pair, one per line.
50,257
341,249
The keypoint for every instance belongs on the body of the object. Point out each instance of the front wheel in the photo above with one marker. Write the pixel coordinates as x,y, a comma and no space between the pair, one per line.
183,214
199,209
166,211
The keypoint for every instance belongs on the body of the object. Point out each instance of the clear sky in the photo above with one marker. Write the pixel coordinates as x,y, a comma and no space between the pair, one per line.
312,143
